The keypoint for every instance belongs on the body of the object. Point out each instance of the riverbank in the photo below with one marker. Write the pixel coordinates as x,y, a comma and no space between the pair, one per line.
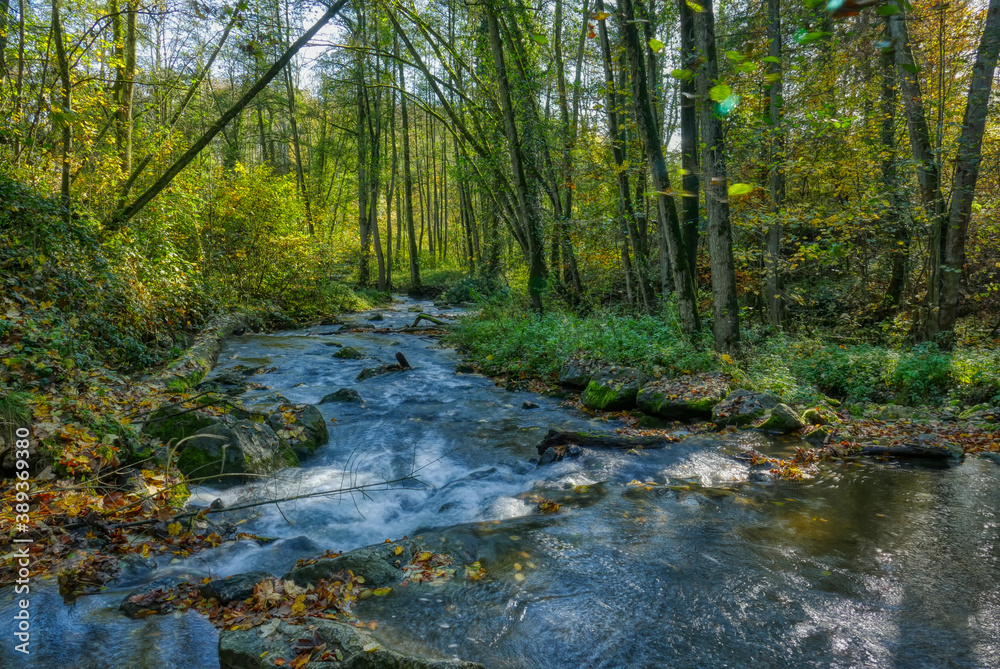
849,396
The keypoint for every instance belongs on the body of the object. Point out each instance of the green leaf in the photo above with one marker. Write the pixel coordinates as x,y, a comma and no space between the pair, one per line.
888,10
772,59
735,55
910,67
746,67
656,45
695,7
740,189
720,92
683,75
540,39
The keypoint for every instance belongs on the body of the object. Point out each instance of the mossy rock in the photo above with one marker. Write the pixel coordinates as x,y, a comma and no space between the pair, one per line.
781,418
349,353
302,426
613,389
742,407
819,415
684,398
173,423
218,452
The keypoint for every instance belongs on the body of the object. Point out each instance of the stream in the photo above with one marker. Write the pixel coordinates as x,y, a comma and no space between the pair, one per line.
866,565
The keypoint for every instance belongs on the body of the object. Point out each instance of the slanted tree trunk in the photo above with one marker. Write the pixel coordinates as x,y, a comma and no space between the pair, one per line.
772,286
726,326
125,214
928,170
669,224
967,163
527,206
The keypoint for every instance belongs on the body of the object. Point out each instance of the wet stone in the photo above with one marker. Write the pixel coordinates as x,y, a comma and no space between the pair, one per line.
342,395
234,588
349,353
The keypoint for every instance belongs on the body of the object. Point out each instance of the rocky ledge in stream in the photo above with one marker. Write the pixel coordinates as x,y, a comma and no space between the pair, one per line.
889,431
307,615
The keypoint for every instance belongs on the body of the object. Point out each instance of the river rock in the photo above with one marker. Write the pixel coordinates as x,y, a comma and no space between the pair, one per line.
150,597
613,389
895,412
234,588
782,418
379,564
342,395
251,649
174,423
818,415
742,407
464,368
576,373
349,353
377,317
244,448
684,398
301,425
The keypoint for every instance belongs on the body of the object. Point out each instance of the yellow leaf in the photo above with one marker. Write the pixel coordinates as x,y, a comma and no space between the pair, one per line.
173,529
381,592
398,550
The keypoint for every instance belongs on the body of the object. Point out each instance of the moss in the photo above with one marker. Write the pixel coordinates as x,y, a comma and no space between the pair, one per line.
597,396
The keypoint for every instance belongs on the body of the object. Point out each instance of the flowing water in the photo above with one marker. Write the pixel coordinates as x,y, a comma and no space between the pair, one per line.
867,565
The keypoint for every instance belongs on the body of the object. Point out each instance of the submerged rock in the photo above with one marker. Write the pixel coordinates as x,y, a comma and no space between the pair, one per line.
684,398
377,317
742,407
613,389
301,425
529,405
379,564
464,368
342,395
782,418
150,597
244,448
349,353
349,647
234,588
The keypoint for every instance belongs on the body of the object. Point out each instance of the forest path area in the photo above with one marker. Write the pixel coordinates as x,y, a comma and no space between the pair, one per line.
867,564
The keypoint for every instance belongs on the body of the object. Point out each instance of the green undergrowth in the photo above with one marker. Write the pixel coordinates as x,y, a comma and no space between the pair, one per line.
509,340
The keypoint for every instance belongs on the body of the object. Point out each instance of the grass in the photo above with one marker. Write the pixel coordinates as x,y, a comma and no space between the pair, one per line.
505,339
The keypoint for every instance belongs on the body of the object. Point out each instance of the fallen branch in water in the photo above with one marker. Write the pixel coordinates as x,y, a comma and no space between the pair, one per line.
425,317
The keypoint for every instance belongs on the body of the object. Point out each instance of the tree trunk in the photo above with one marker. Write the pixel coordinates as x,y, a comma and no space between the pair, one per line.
928,171
772,287
364,276
612,103
726,326
66,106
894,213
408,182
967,164
527,208
299,171
691,213
669,225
